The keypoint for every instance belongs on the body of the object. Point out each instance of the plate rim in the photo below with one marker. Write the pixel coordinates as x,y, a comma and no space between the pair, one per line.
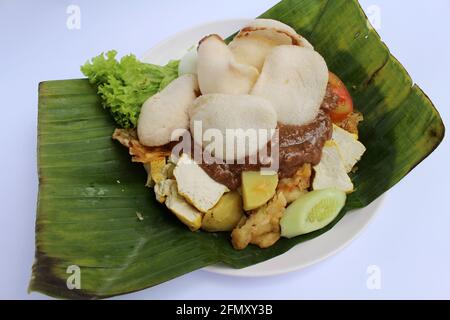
249,273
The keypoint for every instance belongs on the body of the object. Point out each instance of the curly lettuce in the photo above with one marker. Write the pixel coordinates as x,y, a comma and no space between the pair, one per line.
126,84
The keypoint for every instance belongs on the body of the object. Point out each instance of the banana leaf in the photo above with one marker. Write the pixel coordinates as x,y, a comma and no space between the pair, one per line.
90,192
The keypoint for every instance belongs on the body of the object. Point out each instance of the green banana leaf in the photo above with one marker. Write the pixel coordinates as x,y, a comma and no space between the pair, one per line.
90,192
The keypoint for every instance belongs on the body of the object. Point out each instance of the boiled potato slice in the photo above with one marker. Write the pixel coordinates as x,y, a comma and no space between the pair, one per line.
225,215
258,188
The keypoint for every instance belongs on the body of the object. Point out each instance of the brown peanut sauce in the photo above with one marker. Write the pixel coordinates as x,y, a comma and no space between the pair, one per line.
298,145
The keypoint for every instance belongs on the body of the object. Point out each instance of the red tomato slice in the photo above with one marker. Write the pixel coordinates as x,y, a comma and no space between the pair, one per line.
345,102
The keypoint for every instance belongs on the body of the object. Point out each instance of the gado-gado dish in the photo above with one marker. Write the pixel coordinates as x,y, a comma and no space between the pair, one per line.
228,157
256,137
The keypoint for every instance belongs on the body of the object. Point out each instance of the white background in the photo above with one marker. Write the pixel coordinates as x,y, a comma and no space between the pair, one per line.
409,239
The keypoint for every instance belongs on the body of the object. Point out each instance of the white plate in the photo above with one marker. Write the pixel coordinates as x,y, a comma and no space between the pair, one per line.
304,254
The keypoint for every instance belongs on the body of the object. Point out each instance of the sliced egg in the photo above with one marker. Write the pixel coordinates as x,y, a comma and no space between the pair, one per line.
330,173
196,186
350,148
186,213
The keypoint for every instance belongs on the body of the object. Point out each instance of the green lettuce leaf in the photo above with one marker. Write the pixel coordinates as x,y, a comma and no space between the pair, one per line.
126,84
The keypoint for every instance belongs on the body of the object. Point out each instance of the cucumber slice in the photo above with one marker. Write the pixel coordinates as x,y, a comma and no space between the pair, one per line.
311,212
